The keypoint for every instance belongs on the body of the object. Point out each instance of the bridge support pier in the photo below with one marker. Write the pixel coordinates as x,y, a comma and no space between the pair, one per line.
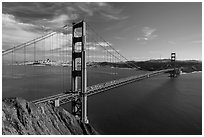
79,73
57,103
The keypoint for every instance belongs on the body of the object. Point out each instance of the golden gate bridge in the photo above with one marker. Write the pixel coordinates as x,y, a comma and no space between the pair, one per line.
79,48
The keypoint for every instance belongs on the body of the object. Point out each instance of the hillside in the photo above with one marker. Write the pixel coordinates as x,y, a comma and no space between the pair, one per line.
20,117
152,65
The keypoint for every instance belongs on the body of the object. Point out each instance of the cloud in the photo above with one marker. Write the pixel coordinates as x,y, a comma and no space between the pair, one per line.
22,22
15,32
29,12
56,14
57,22
147,33
101,4
62,19
40,13
91,7
85,8
114,17
101,8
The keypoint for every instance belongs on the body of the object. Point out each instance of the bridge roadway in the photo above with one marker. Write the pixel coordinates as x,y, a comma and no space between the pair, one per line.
98,88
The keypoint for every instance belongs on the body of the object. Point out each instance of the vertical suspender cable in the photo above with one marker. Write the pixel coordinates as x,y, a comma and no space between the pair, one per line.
33,65
12,63
68,59
44,52
50,58
62,54
24,63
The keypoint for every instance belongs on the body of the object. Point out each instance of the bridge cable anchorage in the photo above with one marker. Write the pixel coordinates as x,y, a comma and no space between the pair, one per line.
111,46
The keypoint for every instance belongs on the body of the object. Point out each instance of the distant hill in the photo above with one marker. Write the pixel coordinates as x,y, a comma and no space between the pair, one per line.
152,65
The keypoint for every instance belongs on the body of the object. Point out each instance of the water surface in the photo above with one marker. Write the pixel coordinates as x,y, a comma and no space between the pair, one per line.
159,105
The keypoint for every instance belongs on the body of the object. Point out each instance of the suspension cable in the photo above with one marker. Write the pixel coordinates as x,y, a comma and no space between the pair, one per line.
20,46
110,53
110,45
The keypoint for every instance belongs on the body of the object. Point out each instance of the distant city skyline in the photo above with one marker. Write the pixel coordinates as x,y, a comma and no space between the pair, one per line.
140,31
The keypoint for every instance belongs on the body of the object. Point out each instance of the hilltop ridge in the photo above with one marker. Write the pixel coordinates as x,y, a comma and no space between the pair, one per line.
157,64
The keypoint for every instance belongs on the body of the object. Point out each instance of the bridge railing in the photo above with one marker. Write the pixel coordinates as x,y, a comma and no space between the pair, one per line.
98,88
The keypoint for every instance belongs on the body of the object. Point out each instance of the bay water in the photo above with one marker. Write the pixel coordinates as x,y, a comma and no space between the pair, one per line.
158,105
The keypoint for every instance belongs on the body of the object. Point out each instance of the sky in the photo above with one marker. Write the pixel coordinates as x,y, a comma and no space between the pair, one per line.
139,31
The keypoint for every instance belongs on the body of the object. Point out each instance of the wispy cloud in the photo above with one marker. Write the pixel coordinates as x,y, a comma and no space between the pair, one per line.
101,8
91,7
57,22
15,32
114,17
147,33
22,22
86,8
54,14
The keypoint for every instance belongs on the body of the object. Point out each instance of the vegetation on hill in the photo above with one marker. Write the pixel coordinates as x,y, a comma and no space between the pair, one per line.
152,65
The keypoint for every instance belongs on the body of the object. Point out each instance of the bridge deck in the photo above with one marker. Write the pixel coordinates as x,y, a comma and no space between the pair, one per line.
91,90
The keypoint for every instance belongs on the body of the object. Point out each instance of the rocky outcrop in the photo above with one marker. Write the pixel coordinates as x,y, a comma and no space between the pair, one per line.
22,117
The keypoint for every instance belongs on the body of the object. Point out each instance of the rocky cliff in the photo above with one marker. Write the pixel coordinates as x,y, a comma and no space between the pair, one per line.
22,117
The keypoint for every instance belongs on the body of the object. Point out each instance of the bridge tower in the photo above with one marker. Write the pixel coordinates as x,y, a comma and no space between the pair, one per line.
79,72
173,64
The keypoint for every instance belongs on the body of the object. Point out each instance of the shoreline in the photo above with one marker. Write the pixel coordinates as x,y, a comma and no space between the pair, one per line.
183,73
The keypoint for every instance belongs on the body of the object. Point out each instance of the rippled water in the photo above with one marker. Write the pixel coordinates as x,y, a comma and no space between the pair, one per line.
159,105
36,82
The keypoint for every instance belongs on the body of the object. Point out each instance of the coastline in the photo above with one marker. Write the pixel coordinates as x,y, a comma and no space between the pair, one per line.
184,73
